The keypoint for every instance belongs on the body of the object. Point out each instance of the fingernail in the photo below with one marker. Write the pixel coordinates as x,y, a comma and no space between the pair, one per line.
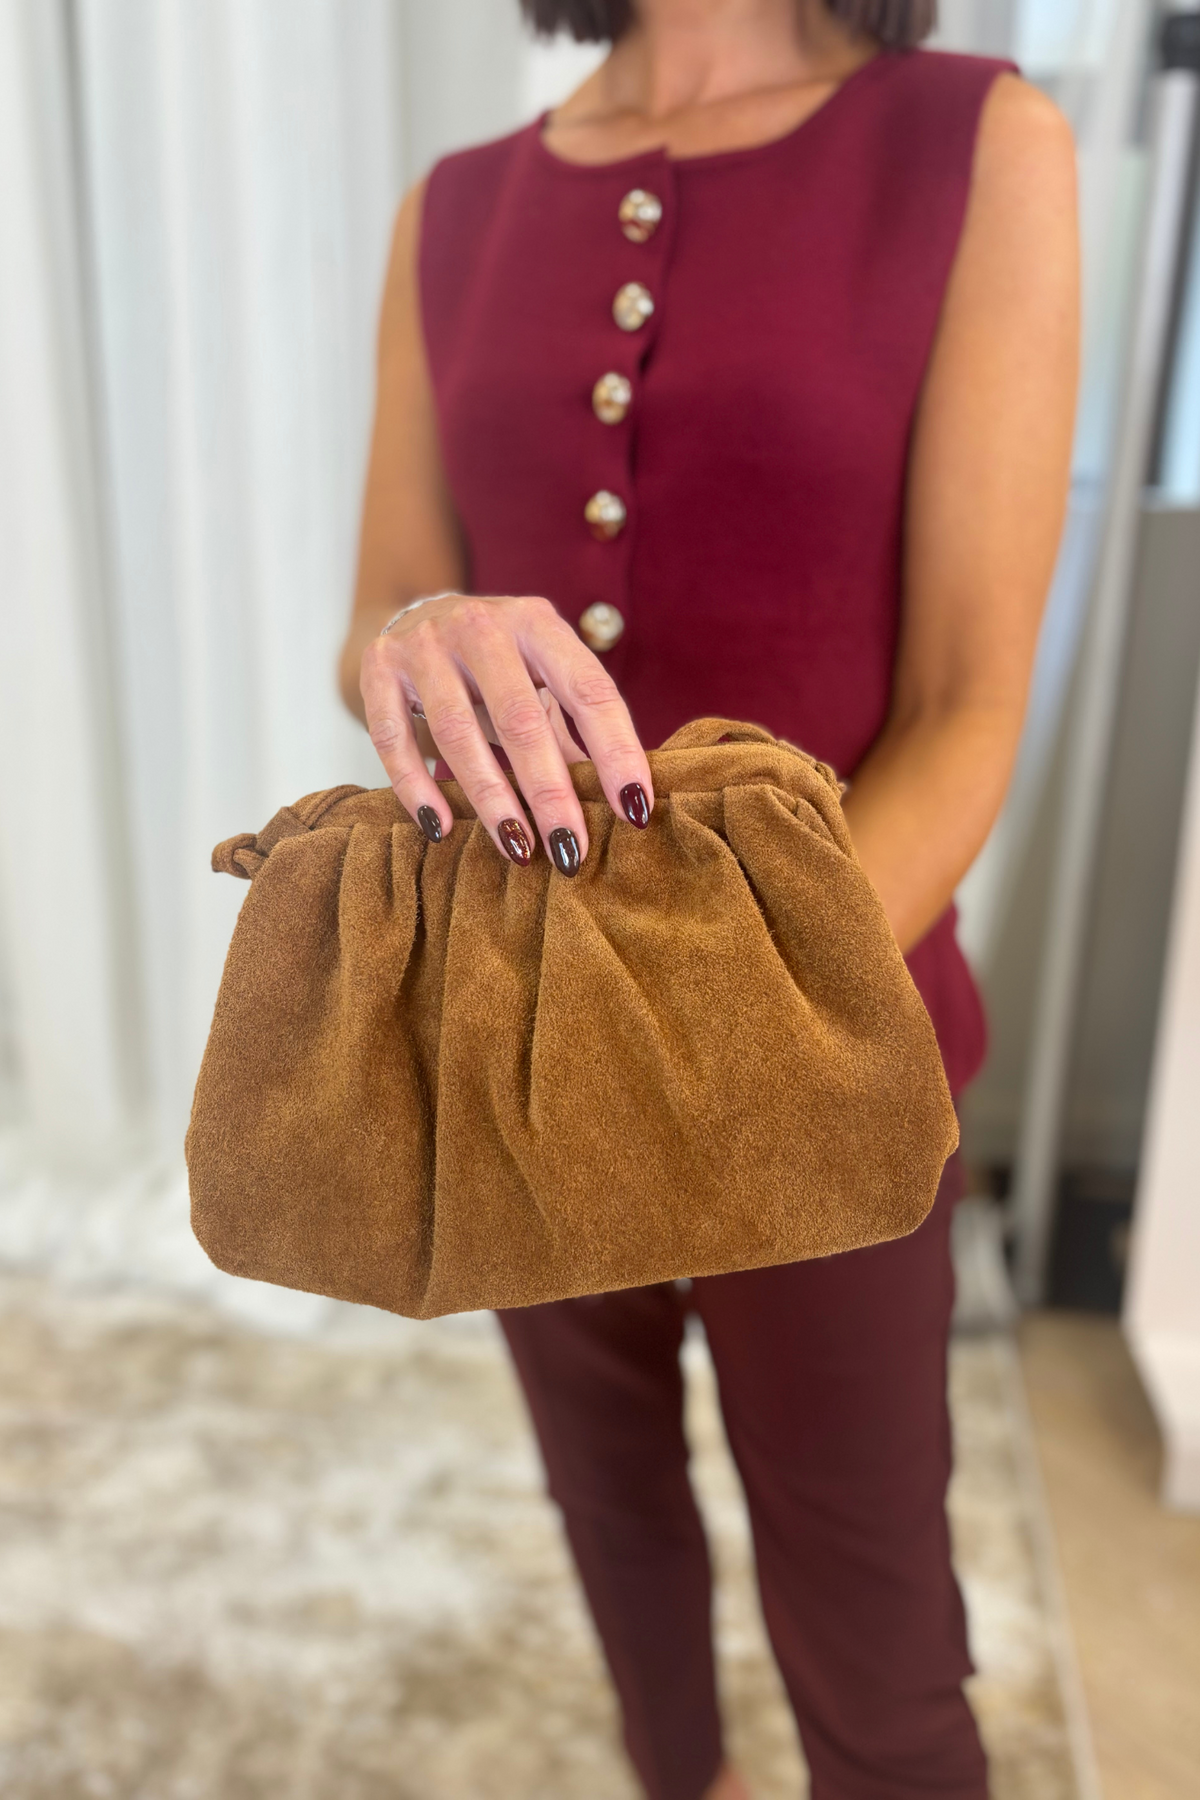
511,833
565,851
430,824
635,804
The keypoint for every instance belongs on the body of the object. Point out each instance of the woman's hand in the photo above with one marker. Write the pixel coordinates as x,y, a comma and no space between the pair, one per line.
520,663
513,660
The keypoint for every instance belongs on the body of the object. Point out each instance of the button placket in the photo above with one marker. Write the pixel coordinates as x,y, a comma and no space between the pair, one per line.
642,230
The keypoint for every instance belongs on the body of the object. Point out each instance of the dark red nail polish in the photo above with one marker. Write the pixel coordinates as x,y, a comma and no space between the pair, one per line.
511,833
564,850
635,804
430,824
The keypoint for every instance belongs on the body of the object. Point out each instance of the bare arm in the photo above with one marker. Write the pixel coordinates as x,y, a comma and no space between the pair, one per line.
409,542
509,658
987,490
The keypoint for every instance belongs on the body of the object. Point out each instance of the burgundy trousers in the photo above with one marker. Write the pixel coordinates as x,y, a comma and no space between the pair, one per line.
832,1379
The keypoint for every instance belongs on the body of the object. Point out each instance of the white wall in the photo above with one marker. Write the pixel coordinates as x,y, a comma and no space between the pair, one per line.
1135,874
1162,1312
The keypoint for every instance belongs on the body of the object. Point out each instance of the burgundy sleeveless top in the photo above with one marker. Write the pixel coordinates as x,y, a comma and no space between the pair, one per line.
761,460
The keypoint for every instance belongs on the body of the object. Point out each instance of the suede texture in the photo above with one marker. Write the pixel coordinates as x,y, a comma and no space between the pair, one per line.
436,1081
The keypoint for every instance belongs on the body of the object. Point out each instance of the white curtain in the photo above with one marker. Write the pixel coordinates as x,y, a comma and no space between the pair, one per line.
197,200
66,938
240,164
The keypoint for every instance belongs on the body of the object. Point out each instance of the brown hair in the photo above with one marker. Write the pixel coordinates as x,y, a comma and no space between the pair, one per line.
894,23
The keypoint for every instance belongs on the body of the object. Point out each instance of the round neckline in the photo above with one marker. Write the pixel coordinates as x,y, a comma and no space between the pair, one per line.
659,154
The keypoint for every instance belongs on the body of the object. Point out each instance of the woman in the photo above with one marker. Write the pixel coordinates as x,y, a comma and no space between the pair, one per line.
741,384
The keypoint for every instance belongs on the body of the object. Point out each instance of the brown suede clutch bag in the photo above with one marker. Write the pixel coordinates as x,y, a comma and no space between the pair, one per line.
436,1081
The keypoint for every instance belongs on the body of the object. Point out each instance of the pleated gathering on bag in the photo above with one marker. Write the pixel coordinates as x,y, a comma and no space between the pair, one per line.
436,1081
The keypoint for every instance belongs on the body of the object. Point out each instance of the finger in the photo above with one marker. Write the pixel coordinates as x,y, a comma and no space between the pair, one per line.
391,730
571,751
454,725
429,749
523,727
584,688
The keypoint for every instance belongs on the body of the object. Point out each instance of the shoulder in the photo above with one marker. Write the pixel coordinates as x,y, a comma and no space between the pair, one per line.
937,97
456,189
1017,263
478,171
944,74
463,196
1023,137
1021,202
971,129
454,221
1009,111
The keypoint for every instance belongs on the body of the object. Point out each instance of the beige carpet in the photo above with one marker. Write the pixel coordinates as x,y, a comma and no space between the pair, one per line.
234,1566
1131,1569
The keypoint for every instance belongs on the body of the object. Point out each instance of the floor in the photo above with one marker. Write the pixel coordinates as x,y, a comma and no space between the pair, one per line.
236,1565
1130,1570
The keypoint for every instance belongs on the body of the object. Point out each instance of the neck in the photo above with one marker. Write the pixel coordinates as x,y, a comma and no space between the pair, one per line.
681,53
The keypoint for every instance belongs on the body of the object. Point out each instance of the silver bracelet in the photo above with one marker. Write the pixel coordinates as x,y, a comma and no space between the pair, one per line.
412,607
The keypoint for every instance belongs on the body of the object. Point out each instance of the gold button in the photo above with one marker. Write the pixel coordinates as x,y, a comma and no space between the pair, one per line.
632,306
605,513
640,214
611,397
600,625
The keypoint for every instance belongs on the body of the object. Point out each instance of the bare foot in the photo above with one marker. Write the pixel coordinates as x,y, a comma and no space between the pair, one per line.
728,1786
